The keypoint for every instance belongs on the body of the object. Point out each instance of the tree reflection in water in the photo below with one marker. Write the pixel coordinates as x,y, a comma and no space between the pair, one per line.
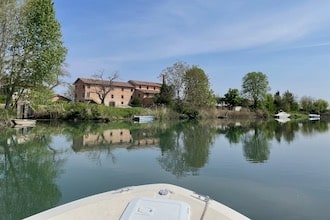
256,146
185,147
28,170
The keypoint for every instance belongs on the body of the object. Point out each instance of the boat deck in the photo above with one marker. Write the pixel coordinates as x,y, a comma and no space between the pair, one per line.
111,205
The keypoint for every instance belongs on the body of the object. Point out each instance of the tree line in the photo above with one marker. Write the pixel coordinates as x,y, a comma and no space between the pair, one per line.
187,89
255,87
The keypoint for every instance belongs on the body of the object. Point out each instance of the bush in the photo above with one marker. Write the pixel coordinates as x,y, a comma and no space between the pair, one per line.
85,111
191,113
2,98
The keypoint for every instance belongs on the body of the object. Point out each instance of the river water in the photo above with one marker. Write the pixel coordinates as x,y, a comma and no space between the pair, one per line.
265,170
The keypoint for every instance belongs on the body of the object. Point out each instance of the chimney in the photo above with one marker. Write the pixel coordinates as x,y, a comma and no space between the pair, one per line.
164,79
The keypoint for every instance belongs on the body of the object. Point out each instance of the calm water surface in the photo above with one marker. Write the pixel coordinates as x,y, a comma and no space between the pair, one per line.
265,170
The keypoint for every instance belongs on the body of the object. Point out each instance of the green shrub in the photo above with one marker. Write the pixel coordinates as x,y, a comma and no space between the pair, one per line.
2,98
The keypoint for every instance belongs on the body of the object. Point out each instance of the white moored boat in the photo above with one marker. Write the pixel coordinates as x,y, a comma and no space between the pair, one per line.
24,122
143,118
145,202
314,116
282,115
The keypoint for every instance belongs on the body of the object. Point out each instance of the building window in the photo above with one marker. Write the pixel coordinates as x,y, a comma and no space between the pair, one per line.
122,103
147,87
112,96
122,89
131,90
122,97
88,94
154,88
140,87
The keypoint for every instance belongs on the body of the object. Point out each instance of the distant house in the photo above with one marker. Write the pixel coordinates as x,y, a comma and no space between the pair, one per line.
117,94
60,98
145,91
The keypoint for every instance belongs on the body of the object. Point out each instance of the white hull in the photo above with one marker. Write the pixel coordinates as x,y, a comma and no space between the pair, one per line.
143,118
282,115
314,117
121,204
24,122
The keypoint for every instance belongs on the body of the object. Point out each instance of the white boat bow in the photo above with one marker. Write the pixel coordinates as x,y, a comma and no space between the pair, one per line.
154,201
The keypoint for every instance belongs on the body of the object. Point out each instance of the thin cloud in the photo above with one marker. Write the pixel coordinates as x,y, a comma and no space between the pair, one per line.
173,30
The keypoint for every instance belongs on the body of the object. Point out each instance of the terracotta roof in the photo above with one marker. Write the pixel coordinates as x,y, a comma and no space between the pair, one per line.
104,82
143,83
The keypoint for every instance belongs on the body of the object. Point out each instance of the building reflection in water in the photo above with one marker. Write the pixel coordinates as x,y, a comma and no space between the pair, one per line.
112,138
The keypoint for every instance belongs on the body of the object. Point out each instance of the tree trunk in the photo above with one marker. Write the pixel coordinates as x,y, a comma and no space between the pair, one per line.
8,98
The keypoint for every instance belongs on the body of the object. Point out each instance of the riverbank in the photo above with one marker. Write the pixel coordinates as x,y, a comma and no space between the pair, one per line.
93,112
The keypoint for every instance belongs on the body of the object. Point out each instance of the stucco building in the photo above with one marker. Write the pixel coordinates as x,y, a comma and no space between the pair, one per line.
116,94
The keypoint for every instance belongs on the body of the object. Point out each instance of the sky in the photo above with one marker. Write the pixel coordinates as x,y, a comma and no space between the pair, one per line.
289,41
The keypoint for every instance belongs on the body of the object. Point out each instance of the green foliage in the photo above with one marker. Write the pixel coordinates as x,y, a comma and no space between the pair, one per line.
289,102
269,103
320,106
278,101
2,98
94,112
136,102
166,95
306,103
233,98
197,91
212,100
310,105
34,52
191,113
255,87
41,96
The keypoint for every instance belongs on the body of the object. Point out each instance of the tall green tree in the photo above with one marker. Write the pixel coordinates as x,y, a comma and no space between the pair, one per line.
289,102
166,95
278,101
8,25
320,105
269,103
197,91
306,103
36,51
255,86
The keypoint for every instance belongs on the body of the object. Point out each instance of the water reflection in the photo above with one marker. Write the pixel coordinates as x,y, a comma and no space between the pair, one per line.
256,146
32,160
255,137
185,147
28,170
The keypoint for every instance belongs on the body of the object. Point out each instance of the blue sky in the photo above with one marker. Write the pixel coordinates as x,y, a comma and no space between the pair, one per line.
289,41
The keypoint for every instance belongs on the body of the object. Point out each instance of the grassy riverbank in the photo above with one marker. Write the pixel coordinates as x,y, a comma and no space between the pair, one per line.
84,111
